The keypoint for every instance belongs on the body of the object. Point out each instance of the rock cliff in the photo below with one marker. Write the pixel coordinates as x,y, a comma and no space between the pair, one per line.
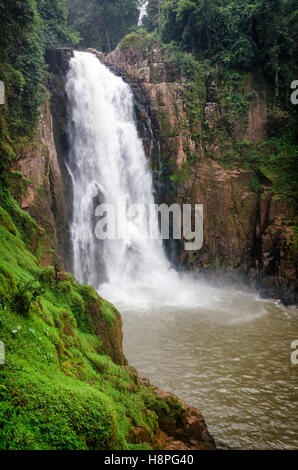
40,180
38,186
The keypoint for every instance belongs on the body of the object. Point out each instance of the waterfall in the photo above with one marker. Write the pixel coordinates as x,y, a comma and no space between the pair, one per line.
107,164
143,11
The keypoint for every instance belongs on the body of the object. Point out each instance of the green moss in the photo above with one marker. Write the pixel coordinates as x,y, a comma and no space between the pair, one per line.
256,185
59,389
27,227
6,221
108,311
19,184
182,175
48,276
37,412
167,409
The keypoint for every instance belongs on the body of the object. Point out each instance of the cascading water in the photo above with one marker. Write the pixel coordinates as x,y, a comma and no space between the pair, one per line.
212,346
107,165
143,11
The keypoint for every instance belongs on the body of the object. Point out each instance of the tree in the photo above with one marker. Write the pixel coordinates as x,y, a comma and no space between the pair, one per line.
153,18
245,34
54,14
103,23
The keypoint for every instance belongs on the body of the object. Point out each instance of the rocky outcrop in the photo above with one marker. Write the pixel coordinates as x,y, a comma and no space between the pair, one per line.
196,137
182,427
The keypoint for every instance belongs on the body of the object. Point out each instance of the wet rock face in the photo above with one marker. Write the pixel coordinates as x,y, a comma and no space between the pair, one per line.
44,190
277,268
58,60
40,191
243,230
58,63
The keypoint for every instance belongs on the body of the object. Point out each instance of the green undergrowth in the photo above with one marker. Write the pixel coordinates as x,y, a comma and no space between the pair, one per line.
59,389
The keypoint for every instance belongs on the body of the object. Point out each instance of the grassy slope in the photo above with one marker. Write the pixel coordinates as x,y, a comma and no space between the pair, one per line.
58,388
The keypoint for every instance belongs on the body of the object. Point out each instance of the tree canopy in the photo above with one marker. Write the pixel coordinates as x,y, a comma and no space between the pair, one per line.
242,34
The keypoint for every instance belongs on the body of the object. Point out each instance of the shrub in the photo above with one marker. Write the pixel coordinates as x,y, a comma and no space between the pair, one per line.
48,276
27,293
